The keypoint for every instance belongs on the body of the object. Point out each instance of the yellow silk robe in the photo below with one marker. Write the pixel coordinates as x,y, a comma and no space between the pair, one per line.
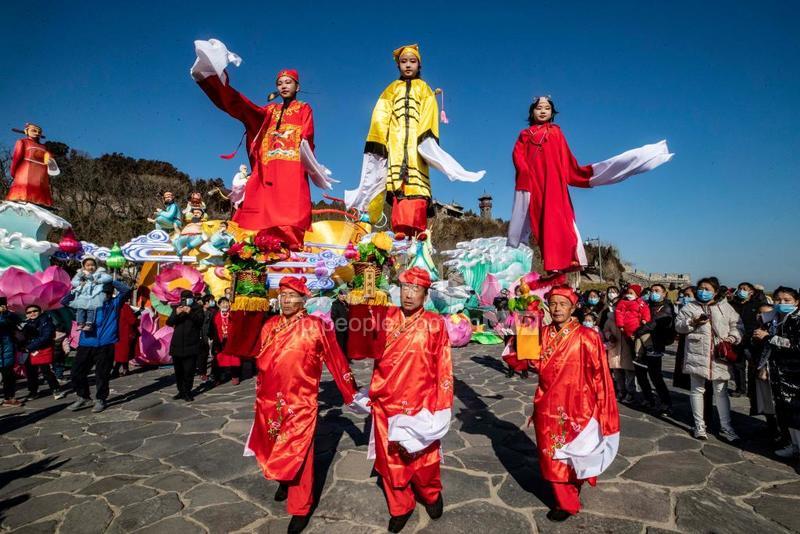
405,115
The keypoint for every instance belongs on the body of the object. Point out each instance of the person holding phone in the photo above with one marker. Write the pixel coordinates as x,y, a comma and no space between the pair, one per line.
187,321
708,322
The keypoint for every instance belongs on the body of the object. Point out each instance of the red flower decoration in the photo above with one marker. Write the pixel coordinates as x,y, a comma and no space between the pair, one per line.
266,242
235,249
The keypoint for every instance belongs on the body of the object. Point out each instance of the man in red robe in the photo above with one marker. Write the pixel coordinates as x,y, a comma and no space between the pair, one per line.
574,410
294,345
31,167
411,394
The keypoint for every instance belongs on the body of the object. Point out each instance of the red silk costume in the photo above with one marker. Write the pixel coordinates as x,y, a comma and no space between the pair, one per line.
289,370
222,330
128,323
575,411
545,167
277,196
29,171
411,381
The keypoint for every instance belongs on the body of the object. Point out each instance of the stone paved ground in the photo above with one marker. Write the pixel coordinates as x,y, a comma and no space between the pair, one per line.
151,464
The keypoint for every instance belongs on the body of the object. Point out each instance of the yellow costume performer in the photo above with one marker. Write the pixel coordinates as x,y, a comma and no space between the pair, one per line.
403,139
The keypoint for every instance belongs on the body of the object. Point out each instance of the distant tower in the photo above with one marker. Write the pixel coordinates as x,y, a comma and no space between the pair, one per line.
485,204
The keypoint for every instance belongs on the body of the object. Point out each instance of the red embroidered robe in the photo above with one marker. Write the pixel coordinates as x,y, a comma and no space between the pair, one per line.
413,375
29,170
575,410
277,195
289,370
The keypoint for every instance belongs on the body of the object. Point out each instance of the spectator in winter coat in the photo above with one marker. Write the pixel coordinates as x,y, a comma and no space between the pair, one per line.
340,313
658,333
38,332
763,402
707,322
187,321
96,349
746,301
783,340
8,327
87,292
620,359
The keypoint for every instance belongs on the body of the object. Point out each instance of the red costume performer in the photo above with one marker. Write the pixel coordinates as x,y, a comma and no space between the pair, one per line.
31,166
293,349
412,396
575,410
128,323
277,196
221,334
545,167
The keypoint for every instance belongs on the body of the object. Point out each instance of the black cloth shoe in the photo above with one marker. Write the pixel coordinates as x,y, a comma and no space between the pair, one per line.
282,493
298,523
524,374
510,373
435,510
557,516
398,522
189,397
177,396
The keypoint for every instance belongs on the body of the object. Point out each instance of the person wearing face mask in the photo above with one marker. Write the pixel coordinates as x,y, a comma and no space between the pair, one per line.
679,378
762,400
630,314
707,323
592,303
783,340
746,301
620,359
611,296
658,333
225,363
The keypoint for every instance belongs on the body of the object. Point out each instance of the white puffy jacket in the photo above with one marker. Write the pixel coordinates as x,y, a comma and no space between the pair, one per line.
700,340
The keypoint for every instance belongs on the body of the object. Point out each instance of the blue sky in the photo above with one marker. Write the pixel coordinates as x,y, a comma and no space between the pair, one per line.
718,80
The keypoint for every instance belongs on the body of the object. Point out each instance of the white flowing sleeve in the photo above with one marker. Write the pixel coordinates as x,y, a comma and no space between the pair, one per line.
318,172
52,167
627,164
212,58
360,404
373,182
590,453
444,162
416,432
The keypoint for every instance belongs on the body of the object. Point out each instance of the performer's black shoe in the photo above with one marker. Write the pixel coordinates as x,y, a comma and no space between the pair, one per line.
510,373
398,522
435,510
177,396
558,515
282,493
298,523
524,374
189,397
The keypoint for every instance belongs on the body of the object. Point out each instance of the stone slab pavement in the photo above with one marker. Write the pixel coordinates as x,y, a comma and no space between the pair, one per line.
153,465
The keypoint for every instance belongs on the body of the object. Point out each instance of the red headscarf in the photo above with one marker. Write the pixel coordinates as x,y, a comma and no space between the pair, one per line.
295,283
417,276
563,291
291,73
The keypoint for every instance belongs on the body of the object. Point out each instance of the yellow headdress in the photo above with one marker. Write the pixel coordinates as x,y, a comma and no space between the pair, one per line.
412,48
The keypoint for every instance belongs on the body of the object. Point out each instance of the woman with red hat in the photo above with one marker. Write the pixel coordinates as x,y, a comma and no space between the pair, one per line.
294,345
280,143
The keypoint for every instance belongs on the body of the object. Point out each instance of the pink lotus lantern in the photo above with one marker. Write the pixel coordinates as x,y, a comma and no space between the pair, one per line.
68,244
45,289
459,329
153,341
171,281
